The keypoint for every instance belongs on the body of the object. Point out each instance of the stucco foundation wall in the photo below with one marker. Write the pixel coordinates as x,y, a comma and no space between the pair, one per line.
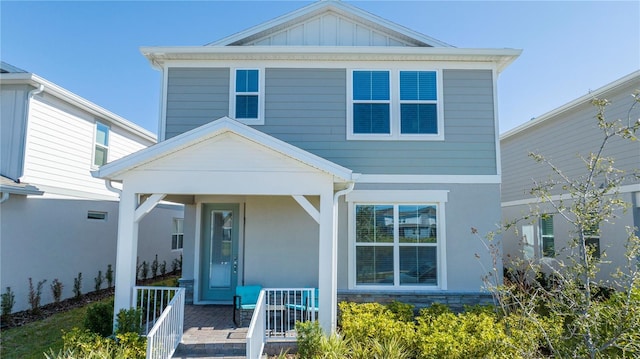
47,238
281,243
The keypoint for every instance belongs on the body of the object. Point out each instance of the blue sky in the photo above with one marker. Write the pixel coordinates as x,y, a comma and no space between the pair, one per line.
92,48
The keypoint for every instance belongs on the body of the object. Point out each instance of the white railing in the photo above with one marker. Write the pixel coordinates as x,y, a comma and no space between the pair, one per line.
276,314
255,334
162,318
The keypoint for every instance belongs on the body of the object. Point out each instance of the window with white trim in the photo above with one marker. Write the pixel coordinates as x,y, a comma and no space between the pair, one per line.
396,245
177,235
101,145
592,240
247,99
547,239
395,105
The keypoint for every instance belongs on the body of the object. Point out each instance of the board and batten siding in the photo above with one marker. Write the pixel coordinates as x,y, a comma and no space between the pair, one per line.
562,139
307,107
13,126
59,150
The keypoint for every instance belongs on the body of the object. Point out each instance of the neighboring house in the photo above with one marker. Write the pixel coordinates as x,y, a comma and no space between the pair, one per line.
562,136
56,219
326,148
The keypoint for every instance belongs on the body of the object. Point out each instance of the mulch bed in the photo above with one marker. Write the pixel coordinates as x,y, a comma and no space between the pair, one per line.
19,319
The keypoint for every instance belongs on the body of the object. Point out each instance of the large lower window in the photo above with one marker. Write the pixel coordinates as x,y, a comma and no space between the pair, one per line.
396,245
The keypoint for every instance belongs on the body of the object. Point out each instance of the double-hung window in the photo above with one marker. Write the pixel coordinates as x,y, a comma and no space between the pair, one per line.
396,245
101,145
547,245
177,235
371,102
418,102
592,240
246,99
395,105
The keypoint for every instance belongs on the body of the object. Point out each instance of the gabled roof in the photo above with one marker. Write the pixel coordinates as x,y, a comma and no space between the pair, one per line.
632,78
317,9
224,125
13,75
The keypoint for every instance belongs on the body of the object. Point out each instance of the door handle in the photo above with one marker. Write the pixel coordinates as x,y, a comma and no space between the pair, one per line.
235,265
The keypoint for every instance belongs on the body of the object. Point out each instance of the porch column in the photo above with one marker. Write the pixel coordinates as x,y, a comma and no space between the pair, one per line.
126,252
327,271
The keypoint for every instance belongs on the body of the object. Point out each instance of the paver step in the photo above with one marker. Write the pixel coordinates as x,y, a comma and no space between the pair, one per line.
225,350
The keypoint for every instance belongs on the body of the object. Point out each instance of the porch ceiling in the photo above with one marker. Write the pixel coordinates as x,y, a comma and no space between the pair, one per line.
225,157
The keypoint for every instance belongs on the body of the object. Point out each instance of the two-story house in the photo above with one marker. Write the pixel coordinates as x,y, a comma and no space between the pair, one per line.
564,136
326,148
56,220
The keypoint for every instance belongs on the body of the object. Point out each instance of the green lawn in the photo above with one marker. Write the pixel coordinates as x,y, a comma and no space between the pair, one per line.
33,339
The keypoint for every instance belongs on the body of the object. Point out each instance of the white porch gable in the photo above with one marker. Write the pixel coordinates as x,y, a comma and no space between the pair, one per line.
226,157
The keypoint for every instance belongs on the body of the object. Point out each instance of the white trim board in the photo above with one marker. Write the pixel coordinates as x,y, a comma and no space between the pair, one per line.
444,179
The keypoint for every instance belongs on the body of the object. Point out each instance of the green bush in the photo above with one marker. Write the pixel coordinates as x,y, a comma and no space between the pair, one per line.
129,321
99,318
373,321
83,344
309,338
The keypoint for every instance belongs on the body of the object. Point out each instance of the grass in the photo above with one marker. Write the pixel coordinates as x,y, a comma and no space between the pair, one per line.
34,339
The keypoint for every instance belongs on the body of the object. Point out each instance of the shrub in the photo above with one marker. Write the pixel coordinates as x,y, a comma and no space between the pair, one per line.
144,270
402,311
56,290
99,318
154,267
87,345
163,268
98,281
373,321
77,286
109,276
7,301
309,338
34,295
129,321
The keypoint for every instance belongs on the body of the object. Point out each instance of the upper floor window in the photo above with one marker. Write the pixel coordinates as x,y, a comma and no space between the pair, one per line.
546,236
402,105
101,145
592,240
247,98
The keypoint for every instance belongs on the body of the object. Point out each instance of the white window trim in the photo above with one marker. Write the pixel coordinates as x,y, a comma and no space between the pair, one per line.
394,115
543,236
398,197
260,93
95,143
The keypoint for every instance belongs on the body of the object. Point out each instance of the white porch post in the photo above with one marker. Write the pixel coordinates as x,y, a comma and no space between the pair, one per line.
126,252
327,271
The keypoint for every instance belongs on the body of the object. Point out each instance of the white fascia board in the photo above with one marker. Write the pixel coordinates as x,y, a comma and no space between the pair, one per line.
624,81
501,57
21,190
335,6
114,170
75,100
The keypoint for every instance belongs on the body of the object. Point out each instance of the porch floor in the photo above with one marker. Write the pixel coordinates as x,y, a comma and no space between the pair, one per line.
209,332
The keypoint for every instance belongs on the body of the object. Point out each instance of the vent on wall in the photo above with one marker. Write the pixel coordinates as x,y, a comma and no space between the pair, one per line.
97,216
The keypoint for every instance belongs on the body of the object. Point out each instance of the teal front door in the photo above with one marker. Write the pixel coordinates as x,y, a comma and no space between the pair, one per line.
219,270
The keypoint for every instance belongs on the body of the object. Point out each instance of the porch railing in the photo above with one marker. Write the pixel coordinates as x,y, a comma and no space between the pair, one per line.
162,319
275,316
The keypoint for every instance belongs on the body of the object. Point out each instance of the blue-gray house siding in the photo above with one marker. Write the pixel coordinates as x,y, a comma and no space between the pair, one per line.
307,107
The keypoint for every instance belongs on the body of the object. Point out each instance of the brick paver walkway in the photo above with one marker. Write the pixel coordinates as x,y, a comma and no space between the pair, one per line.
209,332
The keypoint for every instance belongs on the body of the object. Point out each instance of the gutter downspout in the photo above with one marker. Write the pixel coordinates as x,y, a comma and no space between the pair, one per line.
5,197
27,105
110,187
334,255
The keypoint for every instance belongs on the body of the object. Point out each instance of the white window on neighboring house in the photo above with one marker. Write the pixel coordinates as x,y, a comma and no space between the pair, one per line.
395,105
396,245
178,234
247,96
101,145
547,239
